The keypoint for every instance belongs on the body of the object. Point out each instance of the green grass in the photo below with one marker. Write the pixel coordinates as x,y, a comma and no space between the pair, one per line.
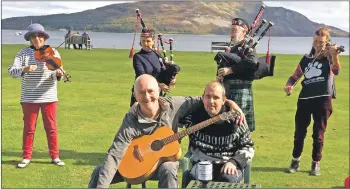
92,106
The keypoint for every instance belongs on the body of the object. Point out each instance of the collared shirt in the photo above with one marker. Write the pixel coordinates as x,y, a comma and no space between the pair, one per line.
135,124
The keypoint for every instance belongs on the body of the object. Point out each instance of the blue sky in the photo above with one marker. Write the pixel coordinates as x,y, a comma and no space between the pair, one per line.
334,13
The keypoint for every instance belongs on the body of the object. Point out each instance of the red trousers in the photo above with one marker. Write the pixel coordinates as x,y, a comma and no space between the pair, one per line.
30,115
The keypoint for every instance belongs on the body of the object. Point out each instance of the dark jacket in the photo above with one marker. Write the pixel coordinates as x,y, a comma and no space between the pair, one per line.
245,67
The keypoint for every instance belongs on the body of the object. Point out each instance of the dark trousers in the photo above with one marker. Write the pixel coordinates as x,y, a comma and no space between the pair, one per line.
320,109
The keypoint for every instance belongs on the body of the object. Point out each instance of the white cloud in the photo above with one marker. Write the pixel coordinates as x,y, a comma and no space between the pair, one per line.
334,13
30,8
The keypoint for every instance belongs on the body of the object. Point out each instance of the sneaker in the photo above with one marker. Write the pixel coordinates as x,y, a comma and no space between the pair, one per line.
294,166
315,168
58,162
24,163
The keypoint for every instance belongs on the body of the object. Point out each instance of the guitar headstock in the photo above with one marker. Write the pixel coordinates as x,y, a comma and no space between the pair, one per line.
229,115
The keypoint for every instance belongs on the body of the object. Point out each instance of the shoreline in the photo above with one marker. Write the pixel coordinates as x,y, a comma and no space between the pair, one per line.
164,33
136,49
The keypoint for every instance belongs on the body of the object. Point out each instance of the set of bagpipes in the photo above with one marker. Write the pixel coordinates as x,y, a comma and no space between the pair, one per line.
169,68
265,65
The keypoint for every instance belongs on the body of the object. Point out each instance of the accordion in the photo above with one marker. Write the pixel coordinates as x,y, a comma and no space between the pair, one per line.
260,70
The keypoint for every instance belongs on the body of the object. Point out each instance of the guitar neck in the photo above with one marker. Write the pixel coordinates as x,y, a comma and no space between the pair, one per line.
191,130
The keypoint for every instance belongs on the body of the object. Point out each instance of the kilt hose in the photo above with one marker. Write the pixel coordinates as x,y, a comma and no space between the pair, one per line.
241,92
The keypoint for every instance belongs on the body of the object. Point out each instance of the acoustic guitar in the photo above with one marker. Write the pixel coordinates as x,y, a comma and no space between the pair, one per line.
146,153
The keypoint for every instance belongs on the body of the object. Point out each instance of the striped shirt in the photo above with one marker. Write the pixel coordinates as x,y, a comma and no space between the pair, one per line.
38,86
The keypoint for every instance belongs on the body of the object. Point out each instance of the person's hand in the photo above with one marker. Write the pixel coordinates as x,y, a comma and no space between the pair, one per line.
59,73
164,87
235,108
332,50
172,84
224,71
30,68
219,78
288,89
241,119
173,81
229,168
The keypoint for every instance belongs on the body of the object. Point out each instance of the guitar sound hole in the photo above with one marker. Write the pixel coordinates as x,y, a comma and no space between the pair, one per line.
157,145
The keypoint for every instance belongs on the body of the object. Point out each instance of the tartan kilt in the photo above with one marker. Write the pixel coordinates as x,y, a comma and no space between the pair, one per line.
241,92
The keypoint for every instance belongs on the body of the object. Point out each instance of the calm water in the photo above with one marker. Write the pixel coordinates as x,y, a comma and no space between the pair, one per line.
182,42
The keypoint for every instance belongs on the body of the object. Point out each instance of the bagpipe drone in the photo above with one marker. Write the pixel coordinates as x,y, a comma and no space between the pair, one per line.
265,65
169,69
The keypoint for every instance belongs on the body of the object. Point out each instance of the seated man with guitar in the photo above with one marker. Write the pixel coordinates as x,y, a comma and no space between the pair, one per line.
226,144
145,147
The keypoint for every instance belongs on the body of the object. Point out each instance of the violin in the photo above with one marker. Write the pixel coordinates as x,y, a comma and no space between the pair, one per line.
46,54
340,49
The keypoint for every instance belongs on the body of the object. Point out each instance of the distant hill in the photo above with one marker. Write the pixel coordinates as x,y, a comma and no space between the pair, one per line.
175,17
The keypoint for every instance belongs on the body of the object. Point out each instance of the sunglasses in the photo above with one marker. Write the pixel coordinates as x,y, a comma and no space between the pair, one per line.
37,35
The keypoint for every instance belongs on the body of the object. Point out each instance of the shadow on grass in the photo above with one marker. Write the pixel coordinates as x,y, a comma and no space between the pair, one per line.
80,158
268,169
304,171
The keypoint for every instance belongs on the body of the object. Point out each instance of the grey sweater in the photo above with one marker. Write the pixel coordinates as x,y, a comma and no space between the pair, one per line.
135,125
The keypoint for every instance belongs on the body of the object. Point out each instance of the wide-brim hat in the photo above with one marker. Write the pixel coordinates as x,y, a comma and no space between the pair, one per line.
35,28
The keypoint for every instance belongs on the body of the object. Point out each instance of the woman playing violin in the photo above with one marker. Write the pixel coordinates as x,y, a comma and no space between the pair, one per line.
38,91
315,98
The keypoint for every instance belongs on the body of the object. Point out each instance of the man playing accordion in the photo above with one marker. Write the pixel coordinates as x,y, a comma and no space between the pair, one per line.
238,78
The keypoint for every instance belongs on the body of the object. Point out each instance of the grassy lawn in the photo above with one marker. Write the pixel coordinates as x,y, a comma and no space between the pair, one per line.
92,106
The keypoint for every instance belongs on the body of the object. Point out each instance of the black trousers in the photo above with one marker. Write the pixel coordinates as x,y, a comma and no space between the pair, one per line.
320,109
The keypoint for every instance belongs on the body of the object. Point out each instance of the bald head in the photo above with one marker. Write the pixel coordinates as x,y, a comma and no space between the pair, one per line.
214,98
145,79
146,92
217,86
